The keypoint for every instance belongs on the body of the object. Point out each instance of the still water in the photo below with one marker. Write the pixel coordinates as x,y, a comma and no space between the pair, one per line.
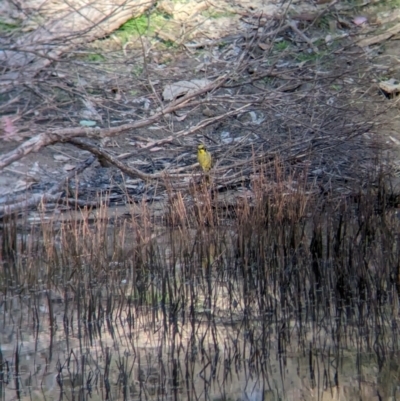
100,311
54,347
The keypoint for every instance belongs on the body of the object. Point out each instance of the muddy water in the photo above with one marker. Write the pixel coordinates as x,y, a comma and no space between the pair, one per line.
134,311
53,349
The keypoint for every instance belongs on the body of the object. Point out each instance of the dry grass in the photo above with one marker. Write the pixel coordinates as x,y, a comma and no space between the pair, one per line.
285,241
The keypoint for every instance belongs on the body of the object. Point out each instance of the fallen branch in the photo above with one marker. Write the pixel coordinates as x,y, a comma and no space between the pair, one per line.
135,173
34,200
63,135
379,38
53,195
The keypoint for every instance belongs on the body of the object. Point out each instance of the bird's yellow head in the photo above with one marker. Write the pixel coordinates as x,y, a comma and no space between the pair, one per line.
201,148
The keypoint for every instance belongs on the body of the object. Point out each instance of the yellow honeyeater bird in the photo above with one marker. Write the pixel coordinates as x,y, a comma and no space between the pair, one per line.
204,158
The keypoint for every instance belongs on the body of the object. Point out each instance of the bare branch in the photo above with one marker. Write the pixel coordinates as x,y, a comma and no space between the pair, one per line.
64,135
